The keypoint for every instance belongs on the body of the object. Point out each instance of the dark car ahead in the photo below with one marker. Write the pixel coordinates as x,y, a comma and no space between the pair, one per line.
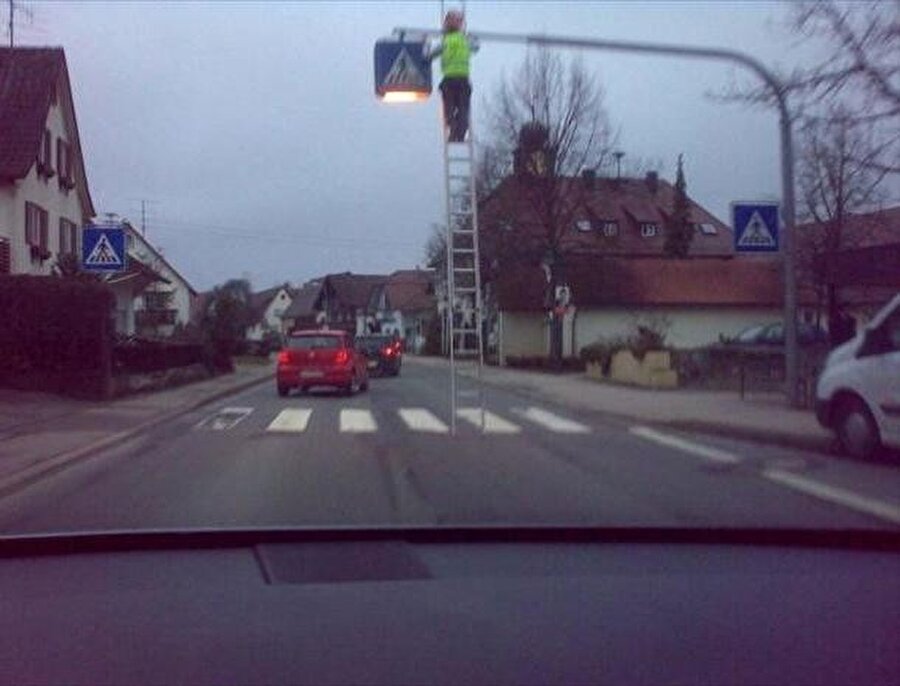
321,358
383,352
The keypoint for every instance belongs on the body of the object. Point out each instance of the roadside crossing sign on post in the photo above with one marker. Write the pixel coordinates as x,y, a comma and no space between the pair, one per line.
756,226
103,248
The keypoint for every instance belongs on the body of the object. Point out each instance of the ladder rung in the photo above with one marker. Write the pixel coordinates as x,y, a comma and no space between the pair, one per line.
465,251
463,231
465,270
459,176
464,289
468,394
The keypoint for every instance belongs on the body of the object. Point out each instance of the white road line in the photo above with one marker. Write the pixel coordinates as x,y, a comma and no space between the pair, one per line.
832,494
291,419
493,423
357,421
225,418
553,422
420,419
713,454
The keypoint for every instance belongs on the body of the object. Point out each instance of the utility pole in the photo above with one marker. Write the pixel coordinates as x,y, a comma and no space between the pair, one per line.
618,155
777,89
143,218
12,9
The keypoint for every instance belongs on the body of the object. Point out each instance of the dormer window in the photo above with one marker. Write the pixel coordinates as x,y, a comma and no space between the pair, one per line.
707,229
649,229
583,225
609,228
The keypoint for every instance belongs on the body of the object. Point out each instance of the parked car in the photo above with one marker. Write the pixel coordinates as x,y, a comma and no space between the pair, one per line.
773,334
383,352
858,392
321,358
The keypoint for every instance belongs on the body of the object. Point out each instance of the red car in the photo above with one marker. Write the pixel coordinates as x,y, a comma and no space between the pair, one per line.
321,358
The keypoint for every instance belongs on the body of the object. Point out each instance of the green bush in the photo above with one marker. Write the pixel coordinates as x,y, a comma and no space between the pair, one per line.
55,334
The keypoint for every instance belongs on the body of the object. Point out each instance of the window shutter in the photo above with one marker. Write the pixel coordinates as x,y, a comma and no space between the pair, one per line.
5,261
45,238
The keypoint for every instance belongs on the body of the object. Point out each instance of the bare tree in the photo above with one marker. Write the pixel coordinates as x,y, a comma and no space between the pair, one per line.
836,178
860,68
547,123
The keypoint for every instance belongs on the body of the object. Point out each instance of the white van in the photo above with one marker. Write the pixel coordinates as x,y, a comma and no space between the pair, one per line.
858,393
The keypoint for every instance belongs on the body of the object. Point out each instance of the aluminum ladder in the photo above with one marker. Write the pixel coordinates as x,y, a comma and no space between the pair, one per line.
464,312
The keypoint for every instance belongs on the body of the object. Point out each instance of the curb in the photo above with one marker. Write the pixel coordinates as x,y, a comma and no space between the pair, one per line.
34,472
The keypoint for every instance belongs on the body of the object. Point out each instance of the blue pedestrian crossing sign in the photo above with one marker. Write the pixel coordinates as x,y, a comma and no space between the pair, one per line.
756,226
103,249
402,71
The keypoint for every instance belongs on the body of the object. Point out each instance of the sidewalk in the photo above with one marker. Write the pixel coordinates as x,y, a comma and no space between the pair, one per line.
761,417
40,432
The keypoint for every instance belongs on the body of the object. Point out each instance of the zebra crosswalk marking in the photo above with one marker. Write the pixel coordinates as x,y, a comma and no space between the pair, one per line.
552,422
292,420
420,419
493,423
357,421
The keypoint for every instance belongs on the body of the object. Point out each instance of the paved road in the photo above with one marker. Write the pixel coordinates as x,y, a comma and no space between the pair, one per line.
386,457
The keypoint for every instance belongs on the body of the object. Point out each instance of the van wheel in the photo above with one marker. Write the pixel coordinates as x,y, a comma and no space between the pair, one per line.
283,390
856,429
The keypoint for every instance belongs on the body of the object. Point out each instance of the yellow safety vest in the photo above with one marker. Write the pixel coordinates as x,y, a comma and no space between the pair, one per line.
455,55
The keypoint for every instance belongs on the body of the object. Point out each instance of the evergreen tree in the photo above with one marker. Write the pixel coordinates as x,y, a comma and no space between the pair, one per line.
679,231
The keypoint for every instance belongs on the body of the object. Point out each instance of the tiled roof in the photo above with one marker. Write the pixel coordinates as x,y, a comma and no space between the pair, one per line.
28,77
354,290
411,290
626,201
260,300
648,281
858,230
304,302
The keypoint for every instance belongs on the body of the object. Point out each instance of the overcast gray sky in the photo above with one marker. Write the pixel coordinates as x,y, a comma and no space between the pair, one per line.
252,130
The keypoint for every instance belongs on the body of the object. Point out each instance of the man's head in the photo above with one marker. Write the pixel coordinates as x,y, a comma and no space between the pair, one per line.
453,21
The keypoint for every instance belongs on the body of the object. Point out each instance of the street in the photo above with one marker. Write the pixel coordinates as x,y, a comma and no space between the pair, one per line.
385,457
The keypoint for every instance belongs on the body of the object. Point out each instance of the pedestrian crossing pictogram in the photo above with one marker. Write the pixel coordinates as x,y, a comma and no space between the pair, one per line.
404,72
756,234
103,254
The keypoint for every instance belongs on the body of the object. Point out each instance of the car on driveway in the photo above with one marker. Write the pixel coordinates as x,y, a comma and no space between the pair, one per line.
773,334
384,353
321,358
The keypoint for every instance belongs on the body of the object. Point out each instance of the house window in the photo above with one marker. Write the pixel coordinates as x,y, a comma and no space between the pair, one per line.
45,159
707,229
157,300
609,228
64,164
36,226
649,229
5,256
583,225
68,237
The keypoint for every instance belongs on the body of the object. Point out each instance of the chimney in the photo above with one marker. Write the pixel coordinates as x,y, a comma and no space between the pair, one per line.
589,177
652,181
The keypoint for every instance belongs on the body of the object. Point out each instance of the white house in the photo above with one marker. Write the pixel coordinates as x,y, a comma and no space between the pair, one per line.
267,310
152,297
44,196
403,305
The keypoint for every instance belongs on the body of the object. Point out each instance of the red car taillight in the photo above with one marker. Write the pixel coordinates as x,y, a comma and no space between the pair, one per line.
387,351
283,357
342,356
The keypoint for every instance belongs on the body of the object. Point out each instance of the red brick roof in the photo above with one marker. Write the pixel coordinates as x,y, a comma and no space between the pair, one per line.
28,77
859,230
649,281
628,201
411,290
353,290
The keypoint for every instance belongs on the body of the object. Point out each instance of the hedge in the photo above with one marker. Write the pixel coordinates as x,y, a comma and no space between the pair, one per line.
138,356
55,334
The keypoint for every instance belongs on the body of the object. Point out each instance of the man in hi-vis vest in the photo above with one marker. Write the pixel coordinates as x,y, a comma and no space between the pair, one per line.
456,90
